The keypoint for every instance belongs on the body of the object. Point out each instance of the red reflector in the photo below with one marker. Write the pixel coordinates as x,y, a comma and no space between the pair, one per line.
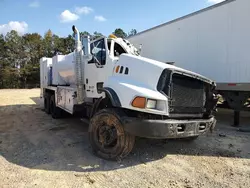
232,84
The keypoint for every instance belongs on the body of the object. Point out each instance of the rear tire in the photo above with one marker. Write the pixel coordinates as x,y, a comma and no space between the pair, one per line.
108,137
47,103
56,112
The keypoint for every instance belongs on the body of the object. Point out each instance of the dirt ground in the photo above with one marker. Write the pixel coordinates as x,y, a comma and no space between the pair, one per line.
38,151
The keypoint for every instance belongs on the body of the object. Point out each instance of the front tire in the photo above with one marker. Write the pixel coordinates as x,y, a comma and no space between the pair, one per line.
108,137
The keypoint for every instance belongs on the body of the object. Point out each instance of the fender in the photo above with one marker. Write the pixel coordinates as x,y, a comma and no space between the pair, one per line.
112,95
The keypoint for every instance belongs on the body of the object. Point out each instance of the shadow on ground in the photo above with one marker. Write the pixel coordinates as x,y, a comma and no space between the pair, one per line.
31,138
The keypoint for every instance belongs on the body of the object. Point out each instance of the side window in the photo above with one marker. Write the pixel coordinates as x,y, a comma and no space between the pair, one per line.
98,52
118,50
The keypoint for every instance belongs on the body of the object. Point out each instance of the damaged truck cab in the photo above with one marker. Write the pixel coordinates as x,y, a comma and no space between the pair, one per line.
161,100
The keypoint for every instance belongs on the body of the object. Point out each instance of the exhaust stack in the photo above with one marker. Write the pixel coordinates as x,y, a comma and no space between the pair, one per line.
78,66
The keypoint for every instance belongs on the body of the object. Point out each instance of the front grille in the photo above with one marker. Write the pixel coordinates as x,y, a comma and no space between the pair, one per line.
187,95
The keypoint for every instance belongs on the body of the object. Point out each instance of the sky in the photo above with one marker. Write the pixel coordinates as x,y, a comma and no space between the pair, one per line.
92,15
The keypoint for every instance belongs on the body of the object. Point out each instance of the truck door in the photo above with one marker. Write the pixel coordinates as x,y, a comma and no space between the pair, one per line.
98,68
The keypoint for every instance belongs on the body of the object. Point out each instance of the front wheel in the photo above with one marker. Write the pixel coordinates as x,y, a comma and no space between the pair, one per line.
108,137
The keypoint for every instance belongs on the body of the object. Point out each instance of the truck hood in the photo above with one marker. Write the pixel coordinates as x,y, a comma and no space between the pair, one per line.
161,65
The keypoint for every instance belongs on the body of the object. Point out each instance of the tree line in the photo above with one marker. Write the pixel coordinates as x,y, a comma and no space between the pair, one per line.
20,55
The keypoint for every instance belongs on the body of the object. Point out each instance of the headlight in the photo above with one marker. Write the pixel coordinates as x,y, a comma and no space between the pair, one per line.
151,104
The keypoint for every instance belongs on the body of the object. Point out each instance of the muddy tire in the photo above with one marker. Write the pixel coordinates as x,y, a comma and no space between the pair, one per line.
56,112
46,103
107,136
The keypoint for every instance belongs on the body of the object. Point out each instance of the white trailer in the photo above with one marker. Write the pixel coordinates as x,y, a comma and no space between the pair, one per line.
125,95
214,42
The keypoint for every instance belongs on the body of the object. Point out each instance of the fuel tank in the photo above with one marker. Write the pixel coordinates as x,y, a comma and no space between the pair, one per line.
63,69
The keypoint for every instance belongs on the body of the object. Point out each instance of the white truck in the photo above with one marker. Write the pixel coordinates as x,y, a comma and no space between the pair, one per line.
214,42
125,95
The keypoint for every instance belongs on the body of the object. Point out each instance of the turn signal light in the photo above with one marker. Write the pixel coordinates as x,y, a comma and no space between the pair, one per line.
139,102
117,69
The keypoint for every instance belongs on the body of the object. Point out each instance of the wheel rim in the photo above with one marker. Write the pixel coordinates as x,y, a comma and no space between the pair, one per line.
107,136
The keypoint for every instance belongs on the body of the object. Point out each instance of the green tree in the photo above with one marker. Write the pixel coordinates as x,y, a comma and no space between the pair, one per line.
69,44
132,32
48,44
120,33
16,57
58,45
33,45
96,35
2,61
